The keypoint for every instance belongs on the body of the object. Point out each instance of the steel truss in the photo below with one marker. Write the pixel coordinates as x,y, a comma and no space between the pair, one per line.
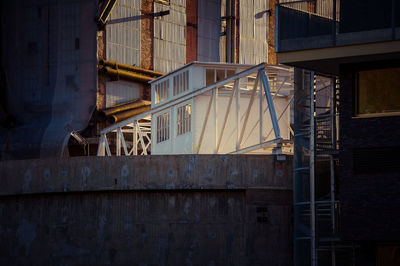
260,83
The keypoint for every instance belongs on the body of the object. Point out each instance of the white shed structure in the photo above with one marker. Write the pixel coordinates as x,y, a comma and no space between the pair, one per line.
205,108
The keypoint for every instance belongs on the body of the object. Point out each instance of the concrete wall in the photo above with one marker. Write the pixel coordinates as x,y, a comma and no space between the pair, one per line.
49,62
152,210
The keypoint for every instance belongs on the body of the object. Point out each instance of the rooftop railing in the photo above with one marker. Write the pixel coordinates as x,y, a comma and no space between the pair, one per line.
313,24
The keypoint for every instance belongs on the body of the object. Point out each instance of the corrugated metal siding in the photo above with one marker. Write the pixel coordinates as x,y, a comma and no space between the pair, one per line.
169,36
123,33
209,27
121,92
253,32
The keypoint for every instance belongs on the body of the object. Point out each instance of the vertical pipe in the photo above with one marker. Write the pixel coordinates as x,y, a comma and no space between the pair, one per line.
312,167
276,28
229,26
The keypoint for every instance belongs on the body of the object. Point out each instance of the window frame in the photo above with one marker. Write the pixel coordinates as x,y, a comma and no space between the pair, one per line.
186,122
356,91
163,127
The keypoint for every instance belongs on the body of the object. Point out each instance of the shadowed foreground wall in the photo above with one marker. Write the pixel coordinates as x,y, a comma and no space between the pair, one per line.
153,210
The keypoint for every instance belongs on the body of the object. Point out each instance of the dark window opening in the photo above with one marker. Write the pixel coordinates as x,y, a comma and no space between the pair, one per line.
378,91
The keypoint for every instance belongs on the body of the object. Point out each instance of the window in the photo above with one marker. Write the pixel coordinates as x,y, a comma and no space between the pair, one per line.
181,82
378,91
183,119
215,75
161,91
163,127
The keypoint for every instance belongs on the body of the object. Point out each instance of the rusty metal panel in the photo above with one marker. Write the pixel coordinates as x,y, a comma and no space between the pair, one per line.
123,33
169,36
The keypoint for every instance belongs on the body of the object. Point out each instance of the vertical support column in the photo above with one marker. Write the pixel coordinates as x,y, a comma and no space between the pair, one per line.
332,163
334,23
312,169
215,106
237,112
394,8
261,98
232,31
118,144
135,138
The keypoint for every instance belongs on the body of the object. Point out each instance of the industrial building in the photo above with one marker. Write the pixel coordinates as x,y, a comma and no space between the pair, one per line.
74,68
349,213
66,63
81,77
208,108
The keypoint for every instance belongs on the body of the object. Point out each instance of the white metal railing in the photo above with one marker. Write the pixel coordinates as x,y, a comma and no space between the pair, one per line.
132,136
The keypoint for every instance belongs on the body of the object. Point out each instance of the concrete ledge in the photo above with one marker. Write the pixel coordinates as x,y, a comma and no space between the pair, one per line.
165,172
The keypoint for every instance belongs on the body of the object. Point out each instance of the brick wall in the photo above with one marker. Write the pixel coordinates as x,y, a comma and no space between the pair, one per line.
370,202
191,31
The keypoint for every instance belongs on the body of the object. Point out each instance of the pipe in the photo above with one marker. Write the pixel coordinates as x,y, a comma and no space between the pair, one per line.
121,108
126,74
104,63
127,114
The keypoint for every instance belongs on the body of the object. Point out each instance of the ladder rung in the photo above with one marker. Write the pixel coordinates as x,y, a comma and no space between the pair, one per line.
303,238
302,168
302,134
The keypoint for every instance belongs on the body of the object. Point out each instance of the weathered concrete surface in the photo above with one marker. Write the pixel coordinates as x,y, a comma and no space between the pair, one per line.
153,210
144,172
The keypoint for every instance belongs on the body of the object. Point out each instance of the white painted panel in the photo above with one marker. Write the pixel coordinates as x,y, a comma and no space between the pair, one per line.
118,92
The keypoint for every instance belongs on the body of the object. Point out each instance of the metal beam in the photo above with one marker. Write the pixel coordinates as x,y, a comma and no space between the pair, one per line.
271,106
226,118
257,146
237,113
204,124
253,93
